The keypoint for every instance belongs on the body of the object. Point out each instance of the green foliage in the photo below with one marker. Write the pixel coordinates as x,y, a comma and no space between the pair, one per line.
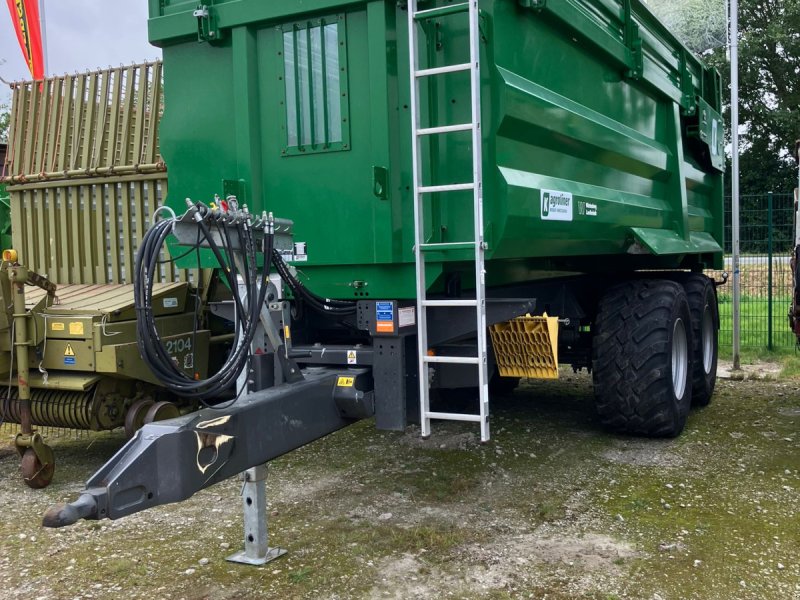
700,24
769,93
5,122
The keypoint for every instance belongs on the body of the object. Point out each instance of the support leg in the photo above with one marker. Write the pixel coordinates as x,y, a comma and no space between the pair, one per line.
256,535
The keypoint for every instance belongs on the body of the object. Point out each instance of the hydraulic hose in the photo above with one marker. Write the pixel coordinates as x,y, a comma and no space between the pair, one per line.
247,312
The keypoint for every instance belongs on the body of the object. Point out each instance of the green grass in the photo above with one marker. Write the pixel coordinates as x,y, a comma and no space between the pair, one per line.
755,324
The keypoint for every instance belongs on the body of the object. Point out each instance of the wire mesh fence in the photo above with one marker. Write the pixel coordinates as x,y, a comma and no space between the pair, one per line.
766,226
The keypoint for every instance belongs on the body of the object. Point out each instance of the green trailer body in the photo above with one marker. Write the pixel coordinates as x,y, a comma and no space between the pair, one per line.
591,103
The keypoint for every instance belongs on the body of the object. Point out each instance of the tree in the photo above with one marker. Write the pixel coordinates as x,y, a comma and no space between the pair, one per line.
769,78
5,123
701,24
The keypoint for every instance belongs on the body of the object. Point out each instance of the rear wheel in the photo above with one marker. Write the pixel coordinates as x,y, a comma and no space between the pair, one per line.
641,358
704,312
34,473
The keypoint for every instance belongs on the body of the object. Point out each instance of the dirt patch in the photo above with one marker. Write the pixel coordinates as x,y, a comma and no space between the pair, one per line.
759,371
405,577
440,440
553,507
645,453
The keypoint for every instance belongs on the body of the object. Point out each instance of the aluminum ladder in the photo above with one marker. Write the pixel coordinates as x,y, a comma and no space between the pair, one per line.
422,194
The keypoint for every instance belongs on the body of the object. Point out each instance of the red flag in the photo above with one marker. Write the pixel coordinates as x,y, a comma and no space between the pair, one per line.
25,16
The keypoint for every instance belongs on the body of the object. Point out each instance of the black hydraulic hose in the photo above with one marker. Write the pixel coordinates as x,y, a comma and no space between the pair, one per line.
149,342
323,305
247,312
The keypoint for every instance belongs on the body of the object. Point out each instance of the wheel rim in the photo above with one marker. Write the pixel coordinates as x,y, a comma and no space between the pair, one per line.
680,358
708,340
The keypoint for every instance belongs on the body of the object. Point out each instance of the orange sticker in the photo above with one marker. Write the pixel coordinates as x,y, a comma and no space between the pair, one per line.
384,326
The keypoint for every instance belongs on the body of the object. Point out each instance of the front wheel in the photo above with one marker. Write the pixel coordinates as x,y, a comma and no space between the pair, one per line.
641,358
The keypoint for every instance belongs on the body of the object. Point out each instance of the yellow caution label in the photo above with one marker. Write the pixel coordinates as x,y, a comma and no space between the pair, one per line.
76,328
287,333
56,326
68,351
345,381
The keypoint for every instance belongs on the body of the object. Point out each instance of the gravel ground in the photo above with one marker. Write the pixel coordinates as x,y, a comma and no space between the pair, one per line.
553,507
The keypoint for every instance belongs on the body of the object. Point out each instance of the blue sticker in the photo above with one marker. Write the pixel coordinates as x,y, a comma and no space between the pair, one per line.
69,360
384,311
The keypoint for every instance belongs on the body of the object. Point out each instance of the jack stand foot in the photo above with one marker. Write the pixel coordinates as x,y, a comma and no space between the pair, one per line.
256,535
242,558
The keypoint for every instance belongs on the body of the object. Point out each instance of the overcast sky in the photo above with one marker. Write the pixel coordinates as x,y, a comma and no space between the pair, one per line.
81,35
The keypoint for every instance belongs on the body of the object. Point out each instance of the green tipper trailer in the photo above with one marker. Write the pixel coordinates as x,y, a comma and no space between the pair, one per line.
591,106
479,191
595,99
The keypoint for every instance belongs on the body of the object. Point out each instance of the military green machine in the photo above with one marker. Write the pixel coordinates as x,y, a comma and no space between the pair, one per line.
477,191
83,176
5,205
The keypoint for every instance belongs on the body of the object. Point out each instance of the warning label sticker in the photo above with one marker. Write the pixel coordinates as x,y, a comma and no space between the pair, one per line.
556,206
76,328
384,317
345,381
56,326
406,316
352,357
69,355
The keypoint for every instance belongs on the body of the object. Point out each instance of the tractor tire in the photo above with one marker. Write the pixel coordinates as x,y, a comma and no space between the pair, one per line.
702,296
641,358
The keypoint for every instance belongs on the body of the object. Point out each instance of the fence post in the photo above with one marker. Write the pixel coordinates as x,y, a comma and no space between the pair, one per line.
769,271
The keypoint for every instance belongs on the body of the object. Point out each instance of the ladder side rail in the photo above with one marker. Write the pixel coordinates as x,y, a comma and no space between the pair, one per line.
419,231
477,178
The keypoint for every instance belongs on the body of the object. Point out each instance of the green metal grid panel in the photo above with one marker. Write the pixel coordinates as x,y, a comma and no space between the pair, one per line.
84,173
767,234
87,124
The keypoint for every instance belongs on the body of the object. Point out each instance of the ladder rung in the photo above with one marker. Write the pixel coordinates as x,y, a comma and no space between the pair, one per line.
445,129
449,303
442,11
453,417
452,187
443,246
442,70
453,360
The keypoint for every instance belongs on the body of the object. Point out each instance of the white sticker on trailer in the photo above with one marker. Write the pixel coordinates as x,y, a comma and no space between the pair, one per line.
406,316
556,206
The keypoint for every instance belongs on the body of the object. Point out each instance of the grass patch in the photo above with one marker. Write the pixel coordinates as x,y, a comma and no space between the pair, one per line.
755,323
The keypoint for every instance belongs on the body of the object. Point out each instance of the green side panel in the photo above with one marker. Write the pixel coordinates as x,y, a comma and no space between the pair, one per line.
601,135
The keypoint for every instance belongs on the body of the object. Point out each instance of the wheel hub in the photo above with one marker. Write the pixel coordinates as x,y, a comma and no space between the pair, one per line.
708,340
680,358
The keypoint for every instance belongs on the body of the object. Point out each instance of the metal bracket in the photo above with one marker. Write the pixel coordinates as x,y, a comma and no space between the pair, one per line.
256,534
688,101
207,29
634,43
43,452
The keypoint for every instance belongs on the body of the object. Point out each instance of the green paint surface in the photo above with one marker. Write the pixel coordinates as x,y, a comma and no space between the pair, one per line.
589,103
